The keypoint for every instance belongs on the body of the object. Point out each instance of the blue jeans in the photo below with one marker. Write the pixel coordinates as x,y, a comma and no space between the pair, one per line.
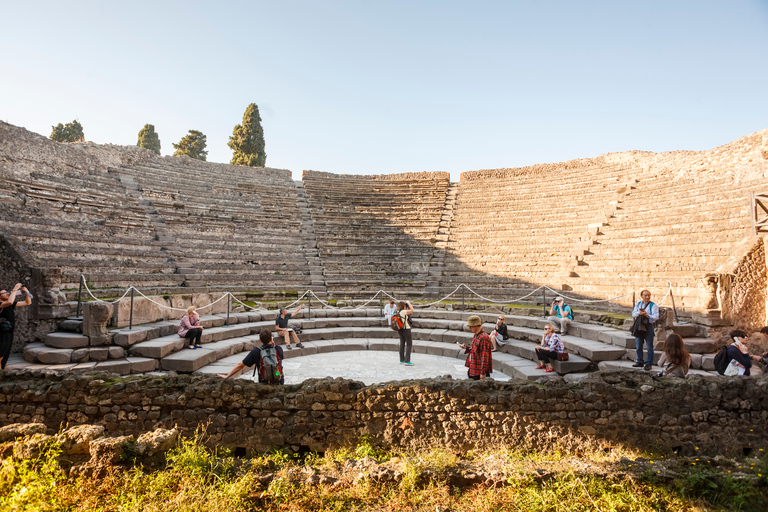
649,334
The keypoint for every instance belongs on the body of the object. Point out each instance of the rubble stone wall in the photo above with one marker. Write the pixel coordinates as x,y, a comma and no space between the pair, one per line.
749,289
698,415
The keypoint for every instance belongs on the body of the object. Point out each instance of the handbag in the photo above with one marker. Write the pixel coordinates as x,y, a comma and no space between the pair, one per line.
639,326
5,325
562,356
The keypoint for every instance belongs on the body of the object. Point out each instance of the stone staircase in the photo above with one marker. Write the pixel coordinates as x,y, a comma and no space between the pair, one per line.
437,262
312,254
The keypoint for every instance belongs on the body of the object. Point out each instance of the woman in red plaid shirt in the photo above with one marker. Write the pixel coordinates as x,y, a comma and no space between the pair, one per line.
479,361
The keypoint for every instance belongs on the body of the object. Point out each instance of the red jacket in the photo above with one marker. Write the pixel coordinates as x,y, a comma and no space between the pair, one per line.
480,359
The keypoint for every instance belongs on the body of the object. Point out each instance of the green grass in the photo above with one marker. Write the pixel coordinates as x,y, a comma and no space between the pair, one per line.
195,478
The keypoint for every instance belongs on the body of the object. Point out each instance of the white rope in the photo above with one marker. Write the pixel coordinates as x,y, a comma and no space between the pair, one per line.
182,309
669,290
521,299
102,300
573,299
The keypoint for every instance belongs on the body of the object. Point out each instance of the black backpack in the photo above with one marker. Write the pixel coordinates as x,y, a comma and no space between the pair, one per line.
722,360
270,367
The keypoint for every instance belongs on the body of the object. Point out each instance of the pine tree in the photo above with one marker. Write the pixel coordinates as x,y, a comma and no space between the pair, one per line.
193,145
148,138
247,140
72,132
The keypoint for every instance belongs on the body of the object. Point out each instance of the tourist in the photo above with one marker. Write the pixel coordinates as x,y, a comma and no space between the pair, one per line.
479,358
675,361
404,311
500,335
738,354
254,358
389,310
649,310
281,324
190,328
560,314
551,345
8,305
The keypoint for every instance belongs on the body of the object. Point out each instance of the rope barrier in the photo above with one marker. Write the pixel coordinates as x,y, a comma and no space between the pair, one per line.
379,292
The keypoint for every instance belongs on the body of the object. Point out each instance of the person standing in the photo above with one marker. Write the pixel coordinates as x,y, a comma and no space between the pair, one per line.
560,314
404,311
650,311
190,328
389,310
281,324
479,359
8,305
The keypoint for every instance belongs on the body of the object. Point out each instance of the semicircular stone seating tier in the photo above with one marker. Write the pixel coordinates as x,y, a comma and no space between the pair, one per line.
157,347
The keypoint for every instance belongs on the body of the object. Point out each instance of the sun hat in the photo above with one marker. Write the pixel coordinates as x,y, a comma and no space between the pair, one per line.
474,320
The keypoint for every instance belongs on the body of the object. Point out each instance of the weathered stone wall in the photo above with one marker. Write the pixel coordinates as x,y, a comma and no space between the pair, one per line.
749,289
697,415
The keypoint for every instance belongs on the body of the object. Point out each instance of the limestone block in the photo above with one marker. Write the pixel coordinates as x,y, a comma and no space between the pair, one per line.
66,340
121,367
98,354
116,352
31,447
96,317
144,311
126,338
80,355
708,362
32,351
142,364
156,442
55,356
109,450
16,430
696,361
77,440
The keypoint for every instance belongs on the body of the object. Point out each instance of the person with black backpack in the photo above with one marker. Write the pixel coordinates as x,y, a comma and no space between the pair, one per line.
646,314
268,360
403,320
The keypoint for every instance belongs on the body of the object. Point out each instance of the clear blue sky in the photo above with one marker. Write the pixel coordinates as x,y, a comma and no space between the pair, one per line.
393,86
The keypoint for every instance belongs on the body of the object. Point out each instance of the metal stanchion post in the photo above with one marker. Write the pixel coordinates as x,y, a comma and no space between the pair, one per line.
462,299
229,300
309,306
381,307
79,296
633,299
130,318
674,309
544,300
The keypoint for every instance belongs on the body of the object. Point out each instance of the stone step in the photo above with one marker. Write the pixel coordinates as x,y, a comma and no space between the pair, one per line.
527,350
70,325
685,330
159,348
66,340
519,368
188,361
627,365
693,345
591,349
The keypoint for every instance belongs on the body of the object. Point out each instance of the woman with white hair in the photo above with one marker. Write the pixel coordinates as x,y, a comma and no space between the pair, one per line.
191,329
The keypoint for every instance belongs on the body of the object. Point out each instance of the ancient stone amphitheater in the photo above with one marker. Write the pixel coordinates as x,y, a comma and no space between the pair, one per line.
184,231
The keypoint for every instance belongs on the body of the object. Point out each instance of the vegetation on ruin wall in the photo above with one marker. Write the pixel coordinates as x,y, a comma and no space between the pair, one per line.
194,478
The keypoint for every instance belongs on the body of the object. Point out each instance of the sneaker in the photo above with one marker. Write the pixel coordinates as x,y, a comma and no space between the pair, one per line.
638,364
299,345
402,362
648,367
408,363
288,347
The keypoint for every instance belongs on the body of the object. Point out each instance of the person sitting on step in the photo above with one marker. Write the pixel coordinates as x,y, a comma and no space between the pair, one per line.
551,345
281,324
499,336
560,314
675,361
389,310
190,328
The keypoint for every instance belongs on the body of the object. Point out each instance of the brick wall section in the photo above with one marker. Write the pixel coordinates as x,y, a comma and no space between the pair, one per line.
713,415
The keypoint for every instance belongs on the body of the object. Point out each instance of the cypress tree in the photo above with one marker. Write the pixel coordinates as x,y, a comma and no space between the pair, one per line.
247,140
71,132
148,138
193,145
